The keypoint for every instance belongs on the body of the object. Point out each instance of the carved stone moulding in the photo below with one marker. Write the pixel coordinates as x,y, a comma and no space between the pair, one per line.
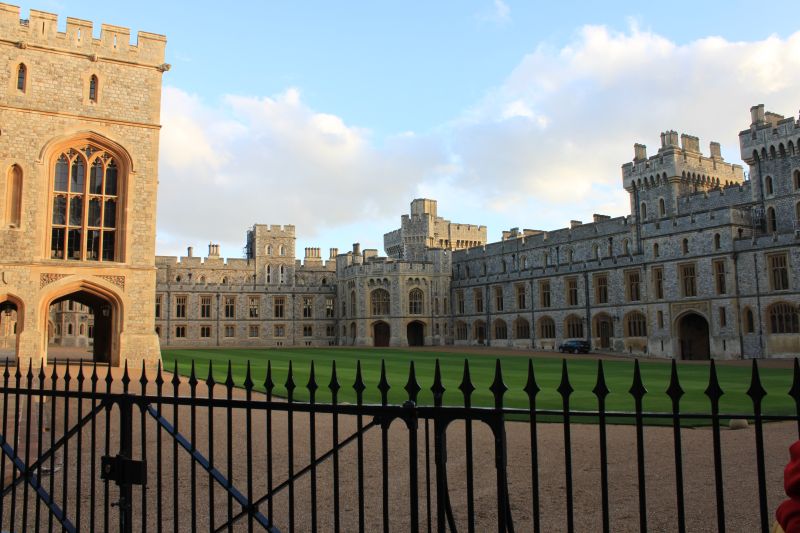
46,278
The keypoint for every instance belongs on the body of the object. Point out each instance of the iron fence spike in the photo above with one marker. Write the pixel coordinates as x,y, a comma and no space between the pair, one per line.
637,390
192,376
248,381
466,387
269,384
412,386
334,384
210,378
229,383
437,388
290,385
176,378
564,387
126,378
143,377
312,385
359,385
713,391
756,391
531,387
159,375
600,388
383,383
674,390
498,388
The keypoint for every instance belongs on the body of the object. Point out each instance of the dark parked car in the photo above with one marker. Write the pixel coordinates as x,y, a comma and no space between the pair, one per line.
575,347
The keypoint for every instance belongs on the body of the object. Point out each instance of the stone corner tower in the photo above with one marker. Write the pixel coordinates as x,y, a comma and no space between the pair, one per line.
79,153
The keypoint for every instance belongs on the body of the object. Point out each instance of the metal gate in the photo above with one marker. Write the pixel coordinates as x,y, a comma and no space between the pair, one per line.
85,448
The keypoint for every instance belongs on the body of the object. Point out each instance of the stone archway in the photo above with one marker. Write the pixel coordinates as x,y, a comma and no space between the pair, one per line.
693,337
381,333
10,327
415,333
101,315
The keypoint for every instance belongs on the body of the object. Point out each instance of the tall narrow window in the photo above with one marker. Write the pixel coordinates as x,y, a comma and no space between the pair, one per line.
415,298
768,184
14,196
632,286
572,291
662,208
778,272
544,293
601,289
772,220
658,282
84,220
720,276
688,280
22,77
93,88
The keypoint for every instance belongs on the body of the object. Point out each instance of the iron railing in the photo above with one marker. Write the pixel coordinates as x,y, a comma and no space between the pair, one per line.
82,451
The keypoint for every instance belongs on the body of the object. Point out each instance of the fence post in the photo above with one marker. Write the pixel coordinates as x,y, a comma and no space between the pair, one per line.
125,451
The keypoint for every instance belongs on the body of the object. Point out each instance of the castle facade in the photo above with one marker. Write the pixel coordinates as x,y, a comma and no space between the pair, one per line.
79,158
705,264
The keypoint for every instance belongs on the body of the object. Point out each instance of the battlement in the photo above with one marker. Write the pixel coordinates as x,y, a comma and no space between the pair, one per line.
41,31
770,136
278,228
679,161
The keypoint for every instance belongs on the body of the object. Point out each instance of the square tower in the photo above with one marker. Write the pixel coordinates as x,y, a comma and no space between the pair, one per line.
79,155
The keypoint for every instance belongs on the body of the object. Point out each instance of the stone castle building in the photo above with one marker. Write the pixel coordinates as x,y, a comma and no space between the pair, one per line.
79,155
705,264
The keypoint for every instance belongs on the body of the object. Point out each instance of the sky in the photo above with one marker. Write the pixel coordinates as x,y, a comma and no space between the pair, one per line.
333,116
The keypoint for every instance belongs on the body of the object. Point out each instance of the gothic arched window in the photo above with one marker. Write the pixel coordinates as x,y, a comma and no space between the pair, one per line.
85,214
380,302
94,87
22,77
415,299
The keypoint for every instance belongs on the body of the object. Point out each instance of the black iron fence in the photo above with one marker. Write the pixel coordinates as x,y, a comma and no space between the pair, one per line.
85,450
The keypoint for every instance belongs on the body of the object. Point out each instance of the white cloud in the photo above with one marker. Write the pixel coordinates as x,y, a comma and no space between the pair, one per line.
274,160
545,146
538,147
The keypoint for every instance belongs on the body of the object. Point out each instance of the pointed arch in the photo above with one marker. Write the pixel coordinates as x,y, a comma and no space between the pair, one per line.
94,88
13,211
22,78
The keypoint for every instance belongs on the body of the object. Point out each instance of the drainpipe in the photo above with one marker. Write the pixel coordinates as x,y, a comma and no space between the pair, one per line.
218,308
735,258
588,308
758,307
533,318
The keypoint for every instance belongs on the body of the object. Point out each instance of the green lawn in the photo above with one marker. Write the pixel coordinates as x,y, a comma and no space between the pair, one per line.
734,380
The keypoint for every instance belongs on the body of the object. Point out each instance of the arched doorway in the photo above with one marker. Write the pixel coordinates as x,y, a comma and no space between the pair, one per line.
693,337
9,329
84,327
381,332
415,331
479,332
603,330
